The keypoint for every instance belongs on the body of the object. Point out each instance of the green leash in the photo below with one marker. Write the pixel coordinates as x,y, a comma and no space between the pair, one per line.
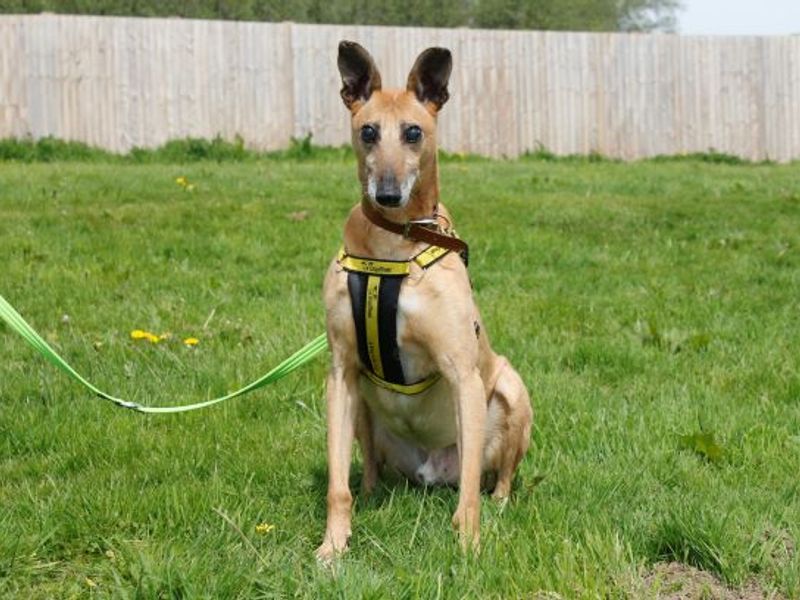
295,361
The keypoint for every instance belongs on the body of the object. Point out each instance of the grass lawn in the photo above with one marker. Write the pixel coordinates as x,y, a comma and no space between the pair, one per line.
650,307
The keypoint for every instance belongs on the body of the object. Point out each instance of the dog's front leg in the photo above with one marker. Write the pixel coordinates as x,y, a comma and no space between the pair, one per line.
342,400
471,414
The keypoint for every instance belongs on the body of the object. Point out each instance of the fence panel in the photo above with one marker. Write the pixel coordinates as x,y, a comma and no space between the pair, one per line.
124,82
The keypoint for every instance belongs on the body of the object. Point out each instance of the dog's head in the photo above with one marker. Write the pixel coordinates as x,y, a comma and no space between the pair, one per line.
394,131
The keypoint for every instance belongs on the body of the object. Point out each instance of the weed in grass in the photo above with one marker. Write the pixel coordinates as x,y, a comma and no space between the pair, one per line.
712,156
188,150
703,444
48,150
672,340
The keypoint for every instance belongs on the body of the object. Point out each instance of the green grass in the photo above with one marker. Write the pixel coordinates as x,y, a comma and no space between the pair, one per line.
648,306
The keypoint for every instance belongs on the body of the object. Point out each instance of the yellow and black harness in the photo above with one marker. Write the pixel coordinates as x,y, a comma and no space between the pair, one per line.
374,287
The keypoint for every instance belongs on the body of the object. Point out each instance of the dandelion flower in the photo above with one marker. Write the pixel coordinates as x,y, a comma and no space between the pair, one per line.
184,183
138,334
264,528
191,341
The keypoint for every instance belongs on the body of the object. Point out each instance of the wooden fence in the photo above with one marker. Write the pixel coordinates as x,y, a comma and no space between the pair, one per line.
123,82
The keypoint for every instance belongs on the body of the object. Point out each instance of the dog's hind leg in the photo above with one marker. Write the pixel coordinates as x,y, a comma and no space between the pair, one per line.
504,452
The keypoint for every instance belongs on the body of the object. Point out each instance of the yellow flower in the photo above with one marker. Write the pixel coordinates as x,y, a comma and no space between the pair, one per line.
264,528
184,183
191,341
138,334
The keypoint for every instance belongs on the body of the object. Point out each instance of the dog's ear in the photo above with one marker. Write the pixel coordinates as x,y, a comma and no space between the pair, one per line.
429,76
360,76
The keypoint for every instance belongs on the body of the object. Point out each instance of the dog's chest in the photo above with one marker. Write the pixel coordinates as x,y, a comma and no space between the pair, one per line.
415,359
427,418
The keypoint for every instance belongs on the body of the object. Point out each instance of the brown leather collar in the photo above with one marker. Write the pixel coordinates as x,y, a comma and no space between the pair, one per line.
420,231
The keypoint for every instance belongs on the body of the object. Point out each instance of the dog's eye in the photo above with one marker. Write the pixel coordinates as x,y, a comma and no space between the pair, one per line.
413,134
369,135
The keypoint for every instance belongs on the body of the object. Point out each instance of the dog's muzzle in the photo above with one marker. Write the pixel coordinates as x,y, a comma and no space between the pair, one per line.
388,192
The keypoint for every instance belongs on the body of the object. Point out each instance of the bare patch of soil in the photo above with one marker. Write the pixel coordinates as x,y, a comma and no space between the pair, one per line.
677,581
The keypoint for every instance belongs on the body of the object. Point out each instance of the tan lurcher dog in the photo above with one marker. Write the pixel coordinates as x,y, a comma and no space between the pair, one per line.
471,427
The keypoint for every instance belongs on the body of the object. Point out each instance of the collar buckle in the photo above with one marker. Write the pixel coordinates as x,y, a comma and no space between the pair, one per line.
424,222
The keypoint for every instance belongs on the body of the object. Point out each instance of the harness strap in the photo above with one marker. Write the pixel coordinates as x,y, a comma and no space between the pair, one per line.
375,313
356,264
407,389
389,268
374,288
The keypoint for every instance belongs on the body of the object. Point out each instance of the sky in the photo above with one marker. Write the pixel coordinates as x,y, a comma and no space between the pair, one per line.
739,17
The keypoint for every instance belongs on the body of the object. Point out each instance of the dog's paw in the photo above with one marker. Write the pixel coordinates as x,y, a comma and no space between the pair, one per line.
467,524
326,553
501,492
332,547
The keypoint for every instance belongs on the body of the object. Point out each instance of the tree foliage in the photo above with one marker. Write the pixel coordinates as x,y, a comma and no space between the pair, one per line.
578,15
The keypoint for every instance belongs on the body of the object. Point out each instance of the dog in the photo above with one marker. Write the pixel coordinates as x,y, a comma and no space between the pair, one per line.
413,377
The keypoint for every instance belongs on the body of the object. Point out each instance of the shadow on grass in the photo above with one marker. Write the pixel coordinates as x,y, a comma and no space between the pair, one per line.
391,484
